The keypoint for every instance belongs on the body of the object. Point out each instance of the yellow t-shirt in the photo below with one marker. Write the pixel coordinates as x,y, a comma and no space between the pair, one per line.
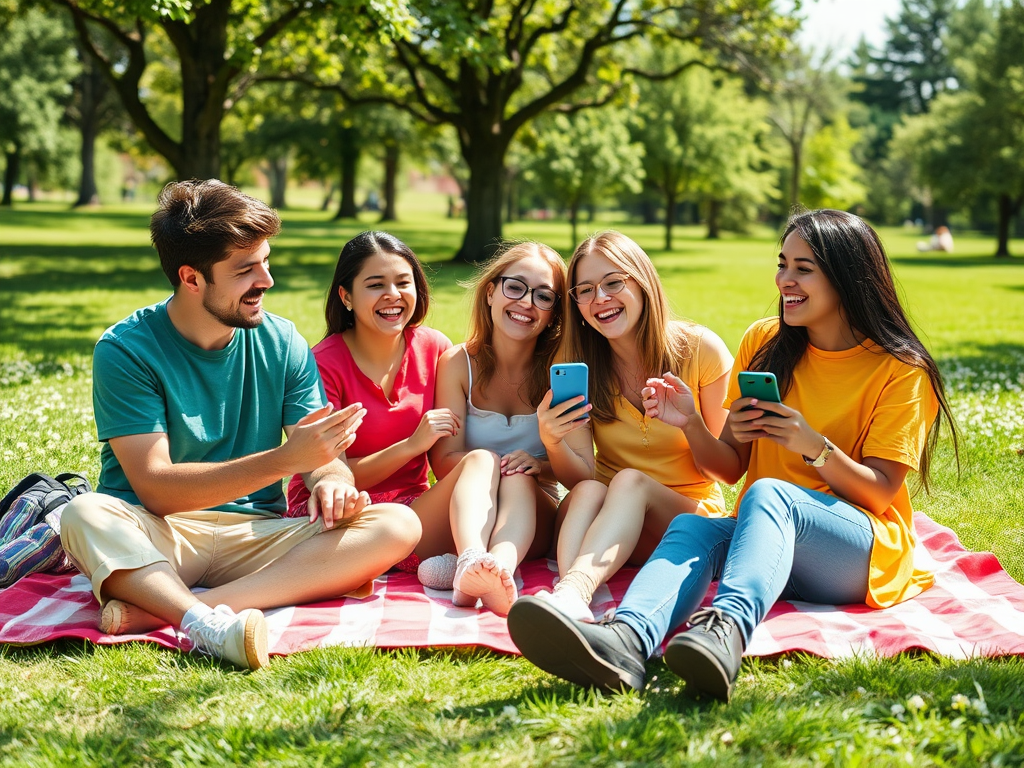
666,456
867,403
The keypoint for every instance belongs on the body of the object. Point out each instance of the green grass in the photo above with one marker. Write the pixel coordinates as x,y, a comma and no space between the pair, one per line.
65,276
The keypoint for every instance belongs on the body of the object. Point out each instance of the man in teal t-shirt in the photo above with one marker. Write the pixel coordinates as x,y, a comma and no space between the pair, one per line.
191,397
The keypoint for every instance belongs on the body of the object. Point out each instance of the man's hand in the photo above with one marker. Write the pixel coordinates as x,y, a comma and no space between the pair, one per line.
334,500
320,437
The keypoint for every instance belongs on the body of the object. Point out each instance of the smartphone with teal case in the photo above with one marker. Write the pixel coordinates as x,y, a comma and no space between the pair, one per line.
760,385
568,380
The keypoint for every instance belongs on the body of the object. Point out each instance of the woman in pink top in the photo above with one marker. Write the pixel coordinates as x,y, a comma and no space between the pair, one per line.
376,353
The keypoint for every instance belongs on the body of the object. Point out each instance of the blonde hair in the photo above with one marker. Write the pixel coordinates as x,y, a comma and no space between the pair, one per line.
660,347
481,327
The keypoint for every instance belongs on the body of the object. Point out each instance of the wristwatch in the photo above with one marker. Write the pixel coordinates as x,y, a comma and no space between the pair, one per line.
823,456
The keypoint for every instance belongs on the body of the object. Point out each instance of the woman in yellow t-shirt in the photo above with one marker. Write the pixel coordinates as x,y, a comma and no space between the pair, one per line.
824,515
620,326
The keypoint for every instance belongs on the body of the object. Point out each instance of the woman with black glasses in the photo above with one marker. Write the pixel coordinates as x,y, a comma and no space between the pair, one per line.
495,483
619,324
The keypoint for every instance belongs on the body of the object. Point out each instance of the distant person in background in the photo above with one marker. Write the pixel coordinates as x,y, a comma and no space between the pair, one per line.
942,240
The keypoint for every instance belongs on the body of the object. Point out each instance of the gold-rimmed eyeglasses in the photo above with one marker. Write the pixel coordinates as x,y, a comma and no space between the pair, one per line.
586,293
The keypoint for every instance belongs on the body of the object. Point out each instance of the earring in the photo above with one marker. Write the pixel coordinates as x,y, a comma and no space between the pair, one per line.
348,307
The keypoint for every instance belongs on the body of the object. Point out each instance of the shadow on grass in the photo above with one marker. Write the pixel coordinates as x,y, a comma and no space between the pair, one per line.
978,356
955,261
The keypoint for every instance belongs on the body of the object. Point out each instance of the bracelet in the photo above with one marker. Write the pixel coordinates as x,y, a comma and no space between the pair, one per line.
822,457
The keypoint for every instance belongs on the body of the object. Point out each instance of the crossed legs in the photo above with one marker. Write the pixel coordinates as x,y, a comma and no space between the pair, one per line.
299,566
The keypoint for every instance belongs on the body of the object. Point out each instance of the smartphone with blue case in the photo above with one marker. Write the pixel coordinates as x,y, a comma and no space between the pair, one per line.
760,385
569,380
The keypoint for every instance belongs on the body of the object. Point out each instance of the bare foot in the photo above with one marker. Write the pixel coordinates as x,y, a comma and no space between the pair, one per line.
120,618
500,598
481,576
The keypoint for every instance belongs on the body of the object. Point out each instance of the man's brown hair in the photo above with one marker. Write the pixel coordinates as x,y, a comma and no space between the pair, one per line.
198,223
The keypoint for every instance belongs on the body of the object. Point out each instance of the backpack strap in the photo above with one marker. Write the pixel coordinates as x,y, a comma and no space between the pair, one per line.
21,487
81,486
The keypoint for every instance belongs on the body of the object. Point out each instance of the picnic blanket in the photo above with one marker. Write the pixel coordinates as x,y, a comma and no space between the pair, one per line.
974,609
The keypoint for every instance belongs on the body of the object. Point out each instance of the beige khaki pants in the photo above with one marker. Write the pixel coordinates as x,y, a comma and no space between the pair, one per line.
103,534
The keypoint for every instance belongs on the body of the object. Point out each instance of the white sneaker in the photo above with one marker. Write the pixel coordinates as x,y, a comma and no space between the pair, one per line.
569,603
240,638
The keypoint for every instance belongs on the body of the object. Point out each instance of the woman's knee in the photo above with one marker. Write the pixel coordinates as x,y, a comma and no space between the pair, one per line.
481,460
397,523
587,492
630,481
766,495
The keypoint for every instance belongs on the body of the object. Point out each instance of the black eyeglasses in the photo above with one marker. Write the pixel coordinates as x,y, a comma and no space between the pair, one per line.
541,298
586,293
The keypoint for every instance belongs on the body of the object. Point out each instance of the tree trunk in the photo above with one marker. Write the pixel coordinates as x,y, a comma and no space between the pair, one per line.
392,153
93,89
329,188
796,151
1008,208
350,152
11,171
574,215
485,156
31,182
670,217
511,198
277,175
714,209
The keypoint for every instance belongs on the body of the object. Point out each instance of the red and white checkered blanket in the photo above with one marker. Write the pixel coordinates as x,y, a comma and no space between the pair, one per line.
974,609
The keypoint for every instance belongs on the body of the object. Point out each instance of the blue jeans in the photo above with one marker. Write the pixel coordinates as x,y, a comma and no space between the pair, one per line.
785,541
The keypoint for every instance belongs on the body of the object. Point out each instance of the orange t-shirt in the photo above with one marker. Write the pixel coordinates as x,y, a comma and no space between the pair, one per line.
867,403
666,457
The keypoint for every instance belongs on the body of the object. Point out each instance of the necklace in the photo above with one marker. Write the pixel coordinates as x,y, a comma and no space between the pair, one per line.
641,421
514,384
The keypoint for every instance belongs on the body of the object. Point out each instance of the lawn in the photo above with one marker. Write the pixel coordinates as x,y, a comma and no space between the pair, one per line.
65,276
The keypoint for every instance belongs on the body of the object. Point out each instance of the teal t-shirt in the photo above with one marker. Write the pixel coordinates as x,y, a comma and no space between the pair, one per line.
213,405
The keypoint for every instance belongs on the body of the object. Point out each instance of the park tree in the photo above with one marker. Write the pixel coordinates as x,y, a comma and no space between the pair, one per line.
217,47
915,60
832,176
489,68
580,159
37,67
970,146
702,141
93,109
806,95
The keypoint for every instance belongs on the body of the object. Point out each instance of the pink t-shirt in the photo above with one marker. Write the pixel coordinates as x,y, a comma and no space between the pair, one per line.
386,421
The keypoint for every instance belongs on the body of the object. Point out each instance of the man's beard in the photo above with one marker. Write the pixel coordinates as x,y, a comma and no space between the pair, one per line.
234,318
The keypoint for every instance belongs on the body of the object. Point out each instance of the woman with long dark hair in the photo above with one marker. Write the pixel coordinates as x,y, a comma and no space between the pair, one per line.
377,352
824,515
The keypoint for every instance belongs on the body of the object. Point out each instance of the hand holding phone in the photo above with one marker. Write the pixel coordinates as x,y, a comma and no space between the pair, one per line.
760,385
569,380
557,416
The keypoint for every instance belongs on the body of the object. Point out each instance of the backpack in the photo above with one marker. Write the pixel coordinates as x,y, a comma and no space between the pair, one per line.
30,525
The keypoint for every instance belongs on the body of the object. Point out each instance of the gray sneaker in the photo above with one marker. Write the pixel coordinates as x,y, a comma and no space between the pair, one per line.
240,638
708,656
605,655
